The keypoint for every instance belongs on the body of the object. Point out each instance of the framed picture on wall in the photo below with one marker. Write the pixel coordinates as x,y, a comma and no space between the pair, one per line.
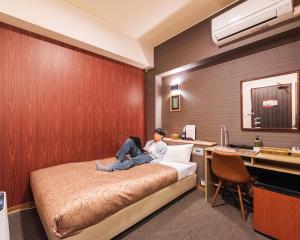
175,103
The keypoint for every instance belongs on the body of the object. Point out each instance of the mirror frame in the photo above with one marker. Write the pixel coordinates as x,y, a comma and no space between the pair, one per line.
272,129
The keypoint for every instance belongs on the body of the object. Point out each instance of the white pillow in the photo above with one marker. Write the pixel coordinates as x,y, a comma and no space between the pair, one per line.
179,153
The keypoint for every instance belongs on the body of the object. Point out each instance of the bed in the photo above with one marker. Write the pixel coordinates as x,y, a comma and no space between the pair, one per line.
76,202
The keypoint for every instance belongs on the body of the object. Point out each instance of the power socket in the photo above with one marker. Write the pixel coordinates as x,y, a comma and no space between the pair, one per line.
203,182
198,151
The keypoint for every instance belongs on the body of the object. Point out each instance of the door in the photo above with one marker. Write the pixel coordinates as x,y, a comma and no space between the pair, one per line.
271,107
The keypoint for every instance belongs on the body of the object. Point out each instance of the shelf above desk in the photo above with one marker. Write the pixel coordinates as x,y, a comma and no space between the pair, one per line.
196,142
268,157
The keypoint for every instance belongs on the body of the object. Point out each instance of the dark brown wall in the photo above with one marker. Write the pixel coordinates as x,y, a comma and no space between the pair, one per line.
59,104
193,44
211,94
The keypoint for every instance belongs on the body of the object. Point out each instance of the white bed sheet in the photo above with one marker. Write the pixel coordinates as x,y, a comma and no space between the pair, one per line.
183,169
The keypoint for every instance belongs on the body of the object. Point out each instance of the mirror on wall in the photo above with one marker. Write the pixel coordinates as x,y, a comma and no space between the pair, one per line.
271,103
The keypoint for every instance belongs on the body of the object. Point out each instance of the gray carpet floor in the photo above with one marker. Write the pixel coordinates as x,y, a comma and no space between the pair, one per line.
189,217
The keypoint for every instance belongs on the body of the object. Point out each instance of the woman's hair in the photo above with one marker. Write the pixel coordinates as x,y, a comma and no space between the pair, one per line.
160,131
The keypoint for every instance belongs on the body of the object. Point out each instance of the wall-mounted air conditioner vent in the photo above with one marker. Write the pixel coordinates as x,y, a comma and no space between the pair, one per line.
249,17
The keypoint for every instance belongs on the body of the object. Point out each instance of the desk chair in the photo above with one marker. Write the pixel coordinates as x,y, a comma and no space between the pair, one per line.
228,167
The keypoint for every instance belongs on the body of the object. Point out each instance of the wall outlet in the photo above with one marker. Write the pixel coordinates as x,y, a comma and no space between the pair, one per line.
198,151
203,182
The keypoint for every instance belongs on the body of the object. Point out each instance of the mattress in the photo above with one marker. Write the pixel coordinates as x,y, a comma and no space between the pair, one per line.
74,196
183,169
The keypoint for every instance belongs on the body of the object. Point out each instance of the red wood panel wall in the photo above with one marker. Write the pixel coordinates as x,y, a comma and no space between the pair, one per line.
59,104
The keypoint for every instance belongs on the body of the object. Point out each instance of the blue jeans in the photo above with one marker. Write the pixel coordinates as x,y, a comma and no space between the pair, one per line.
136,156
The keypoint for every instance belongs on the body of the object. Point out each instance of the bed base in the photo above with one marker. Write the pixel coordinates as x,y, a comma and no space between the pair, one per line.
127,217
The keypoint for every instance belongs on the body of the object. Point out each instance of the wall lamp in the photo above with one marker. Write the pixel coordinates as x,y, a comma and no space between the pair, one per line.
174,87
175,90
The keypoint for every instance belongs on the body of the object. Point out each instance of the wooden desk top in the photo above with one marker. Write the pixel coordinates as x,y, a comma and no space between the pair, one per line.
196,142
271,157
269,162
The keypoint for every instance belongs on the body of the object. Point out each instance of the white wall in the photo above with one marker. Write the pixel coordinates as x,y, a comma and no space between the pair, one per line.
60,21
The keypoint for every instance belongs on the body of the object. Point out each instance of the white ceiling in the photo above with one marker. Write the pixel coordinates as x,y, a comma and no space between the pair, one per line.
150,21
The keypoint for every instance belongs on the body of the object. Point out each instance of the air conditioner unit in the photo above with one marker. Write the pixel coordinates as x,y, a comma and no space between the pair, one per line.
4,229
249,17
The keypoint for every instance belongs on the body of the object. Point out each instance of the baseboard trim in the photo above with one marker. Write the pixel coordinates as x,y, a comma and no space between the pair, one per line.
200,188
21,207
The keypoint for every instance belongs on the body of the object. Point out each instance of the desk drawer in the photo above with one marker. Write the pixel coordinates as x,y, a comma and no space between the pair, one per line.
276,215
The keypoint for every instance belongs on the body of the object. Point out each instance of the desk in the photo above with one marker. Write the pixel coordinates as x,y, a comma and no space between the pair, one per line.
277,163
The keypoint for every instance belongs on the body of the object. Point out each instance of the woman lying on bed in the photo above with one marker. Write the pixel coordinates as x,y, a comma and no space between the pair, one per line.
130,154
